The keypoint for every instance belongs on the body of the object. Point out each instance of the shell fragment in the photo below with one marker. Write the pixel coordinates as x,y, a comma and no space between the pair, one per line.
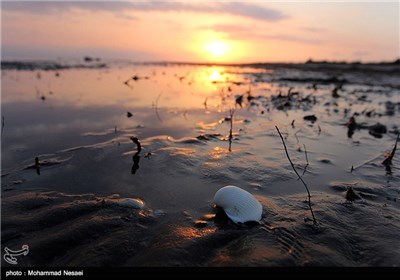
132,203
239,205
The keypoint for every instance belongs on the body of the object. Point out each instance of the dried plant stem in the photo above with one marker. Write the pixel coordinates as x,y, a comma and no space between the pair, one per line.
305,167
388,160
295,135
295,171
2,124
367,162
305,151
231,112
136,141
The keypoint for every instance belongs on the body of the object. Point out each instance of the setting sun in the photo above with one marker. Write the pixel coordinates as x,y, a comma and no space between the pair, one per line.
217,48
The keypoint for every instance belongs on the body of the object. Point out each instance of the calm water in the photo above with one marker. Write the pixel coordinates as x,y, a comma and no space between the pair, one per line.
75,120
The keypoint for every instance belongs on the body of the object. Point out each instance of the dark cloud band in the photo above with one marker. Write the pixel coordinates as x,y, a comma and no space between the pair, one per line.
234,8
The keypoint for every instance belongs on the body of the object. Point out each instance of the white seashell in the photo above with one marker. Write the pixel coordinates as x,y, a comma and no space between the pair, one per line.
132,203
239,205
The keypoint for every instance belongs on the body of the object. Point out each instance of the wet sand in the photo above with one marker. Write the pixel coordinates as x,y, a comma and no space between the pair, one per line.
75,119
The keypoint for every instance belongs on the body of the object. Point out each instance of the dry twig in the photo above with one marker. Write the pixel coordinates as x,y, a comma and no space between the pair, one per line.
301,179
305,167
231,113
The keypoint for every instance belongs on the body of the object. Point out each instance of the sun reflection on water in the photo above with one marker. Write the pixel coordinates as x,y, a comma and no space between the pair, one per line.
218,152
215,76
189,232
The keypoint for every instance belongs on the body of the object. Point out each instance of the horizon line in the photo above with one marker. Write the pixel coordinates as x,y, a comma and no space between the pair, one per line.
88,59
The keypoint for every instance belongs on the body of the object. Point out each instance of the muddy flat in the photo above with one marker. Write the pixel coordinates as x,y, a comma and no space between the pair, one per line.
338,121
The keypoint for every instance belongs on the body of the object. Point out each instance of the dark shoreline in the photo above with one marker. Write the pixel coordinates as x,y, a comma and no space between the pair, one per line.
311,65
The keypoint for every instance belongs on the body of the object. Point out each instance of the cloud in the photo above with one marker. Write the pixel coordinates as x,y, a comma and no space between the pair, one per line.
234,8
230,29
291,38
253,11
242,32
38,7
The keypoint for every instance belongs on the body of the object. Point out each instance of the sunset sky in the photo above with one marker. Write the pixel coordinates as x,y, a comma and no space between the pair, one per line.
206,31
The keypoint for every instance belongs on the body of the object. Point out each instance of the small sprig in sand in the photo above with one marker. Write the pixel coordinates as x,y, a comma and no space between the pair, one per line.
388,159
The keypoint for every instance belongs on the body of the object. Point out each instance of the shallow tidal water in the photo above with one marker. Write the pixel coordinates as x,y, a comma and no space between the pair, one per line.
78,120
